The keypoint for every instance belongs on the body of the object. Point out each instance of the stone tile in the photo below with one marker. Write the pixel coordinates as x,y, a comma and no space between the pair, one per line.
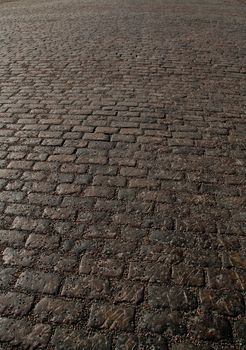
37,281
111,317
209,328
173,298
59,310
15,304
74,340
20,332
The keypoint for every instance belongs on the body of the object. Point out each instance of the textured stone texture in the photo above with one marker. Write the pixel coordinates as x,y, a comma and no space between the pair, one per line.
64,339
122,174
111,317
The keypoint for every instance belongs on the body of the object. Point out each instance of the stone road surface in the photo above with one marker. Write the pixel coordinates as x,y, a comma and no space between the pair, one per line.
122,174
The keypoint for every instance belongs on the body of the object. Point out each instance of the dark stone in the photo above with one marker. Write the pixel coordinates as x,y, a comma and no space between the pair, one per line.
210,328
175,298
170,323
65,339
240,331
111,317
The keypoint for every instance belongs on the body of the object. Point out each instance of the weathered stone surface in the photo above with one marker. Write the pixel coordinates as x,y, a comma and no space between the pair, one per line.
171,323
58,310
132,293
224,303
111,317
106,268
21,257
131,342
187,346
28,224
119,249
57,263
152,272
227,279
157,252
185,275
37,281
174,298
17,304
238,260
205,327
22,334
7,276
65,339
91,287
12,237
37,241
240,331
203,258
100,232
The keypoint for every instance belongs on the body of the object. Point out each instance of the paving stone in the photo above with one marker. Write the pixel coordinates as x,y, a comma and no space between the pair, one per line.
7,276
106,268
188,276
21,257
38,281
152,272
170,237
119,249
203,258
12,196
238,260
187,346
28,224
9,174
12,238
17,304
55,213
163,322
103,180
240,331
56,262
173,298
205,327
67,188
131,342
22,333
161,253
101,232
65,339
43,199
99,191
59,311
91,287
224,303
37,241
226,279
111,317
132,293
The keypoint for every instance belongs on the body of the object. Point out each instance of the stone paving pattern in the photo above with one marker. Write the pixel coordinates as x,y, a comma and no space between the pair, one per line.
123,163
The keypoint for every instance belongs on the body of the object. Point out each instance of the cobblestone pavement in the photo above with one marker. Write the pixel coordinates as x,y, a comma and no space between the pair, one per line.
122,174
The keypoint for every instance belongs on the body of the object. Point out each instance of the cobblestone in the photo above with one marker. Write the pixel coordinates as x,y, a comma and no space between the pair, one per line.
122,175
58,311
111,317
240,329
38,282
22,334
15,304
211,328
64,339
